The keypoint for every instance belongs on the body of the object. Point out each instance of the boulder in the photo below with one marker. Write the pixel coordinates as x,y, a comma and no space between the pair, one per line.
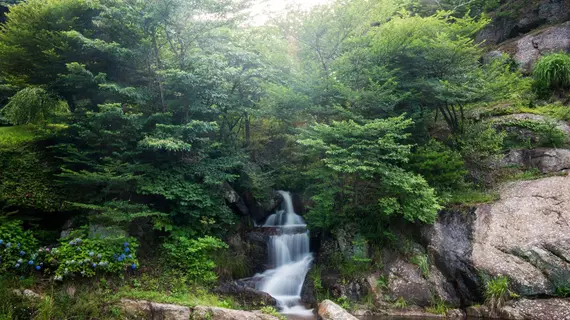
546,160
154,311
213,313
27,293
525,309
329,310
245,295
528,49
406,281
525,235
234,200
257,251
308,292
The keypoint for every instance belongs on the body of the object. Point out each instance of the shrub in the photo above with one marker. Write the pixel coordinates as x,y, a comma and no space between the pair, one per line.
553,72
87,257
17,247
32,105
421,260
194,256
442,167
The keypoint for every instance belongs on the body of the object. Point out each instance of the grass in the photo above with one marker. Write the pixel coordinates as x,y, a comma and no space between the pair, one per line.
421,260
17,135
194,297
473,197
497,292
438,307
270,310
400,303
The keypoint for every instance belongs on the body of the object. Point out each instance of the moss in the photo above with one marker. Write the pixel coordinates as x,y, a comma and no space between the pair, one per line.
11,137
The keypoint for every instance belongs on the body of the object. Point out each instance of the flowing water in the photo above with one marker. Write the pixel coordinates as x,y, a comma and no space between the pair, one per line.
290,257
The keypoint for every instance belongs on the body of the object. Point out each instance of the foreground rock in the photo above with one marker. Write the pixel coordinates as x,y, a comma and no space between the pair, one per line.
329,310
524,309
246,296
214,313
142,309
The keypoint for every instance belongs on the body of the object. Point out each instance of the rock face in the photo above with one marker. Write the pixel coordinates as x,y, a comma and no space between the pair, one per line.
406,281
528,49
544,159
517,17
245,295
525,235
524,309
214,313
329,310
153,310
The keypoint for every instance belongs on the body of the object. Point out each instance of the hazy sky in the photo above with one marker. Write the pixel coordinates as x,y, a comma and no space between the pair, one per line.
264,8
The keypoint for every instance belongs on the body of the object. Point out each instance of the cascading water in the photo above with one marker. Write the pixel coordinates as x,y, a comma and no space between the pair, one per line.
290,256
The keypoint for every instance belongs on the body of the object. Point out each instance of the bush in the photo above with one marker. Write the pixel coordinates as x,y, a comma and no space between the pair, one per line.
17,247
194,256
442,167
87,257
552,72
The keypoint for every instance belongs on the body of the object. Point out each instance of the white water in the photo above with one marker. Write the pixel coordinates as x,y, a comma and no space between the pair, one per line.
290,256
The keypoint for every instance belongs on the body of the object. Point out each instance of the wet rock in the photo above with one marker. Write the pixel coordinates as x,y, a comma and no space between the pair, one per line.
525,235
449,246
329,310
153,310
257,251
308,292
406,281
213,313
234,200
245,295
525,309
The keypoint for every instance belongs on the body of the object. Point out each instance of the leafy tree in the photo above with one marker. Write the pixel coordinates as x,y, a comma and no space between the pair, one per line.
359,176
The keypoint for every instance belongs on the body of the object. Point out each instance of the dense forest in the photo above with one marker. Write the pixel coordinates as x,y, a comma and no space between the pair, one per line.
141,140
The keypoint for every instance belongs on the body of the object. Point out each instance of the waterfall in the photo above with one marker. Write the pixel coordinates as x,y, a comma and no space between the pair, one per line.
290,257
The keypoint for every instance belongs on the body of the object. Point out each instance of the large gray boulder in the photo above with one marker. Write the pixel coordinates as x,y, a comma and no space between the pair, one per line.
406,281
245,295
214,313
530,48
329,310
142,309
525,235
546,160
525,309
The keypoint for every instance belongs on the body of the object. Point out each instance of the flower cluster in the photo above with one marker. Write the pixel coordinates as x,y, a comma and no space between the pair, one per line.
17,249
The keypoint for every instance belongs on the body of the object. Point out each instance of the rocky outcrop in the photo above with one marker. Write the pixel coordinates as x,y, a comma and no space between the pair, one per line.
560,125
234,200
329,310
245,295
155,311
516,17
214,313
257,250
406,281
525,235
524,309
546,160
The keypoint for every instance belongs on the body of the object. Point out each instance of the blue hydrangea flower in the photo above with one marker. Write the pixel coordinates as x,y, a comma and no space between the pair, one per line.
22,253
130,256
18,245
91,253
94,265
134,266
127,249
126,244
20,260
31,262
17,265
38,268
8,245
1,241
99,256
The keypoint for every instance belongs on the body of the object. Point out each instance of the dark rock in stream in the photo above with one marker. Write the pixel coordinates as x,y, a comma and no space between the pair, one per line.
245,295
308,292
257,251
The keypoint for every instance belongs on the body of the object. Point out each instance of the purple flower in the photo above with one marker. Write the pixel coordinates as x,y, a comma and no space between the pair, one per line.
94,265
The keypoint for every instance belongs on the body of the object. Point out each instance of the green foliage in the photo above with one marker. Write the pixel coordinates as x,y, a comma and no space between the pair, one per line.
10,137
472,197
438,306
552,72
88,257
17,247
31,105
497,292
270,310
358,169
442,167
194,256
400,303
548,134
